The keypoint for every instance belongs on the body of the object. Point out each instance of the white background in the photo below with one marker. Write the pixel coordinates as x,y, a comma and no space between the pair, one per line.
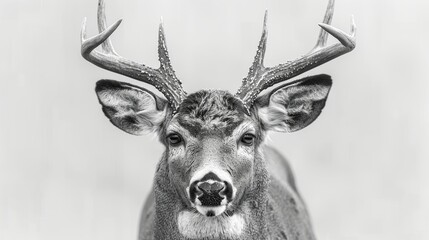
67,173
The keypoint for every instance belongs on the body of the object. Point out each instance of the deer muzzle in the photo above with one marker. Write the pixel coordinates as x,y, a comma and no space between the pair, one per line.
210,195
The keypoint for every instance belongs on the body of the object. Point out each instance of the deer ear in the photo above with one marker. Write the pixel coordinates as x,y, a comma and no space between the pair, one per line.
133,109
291,108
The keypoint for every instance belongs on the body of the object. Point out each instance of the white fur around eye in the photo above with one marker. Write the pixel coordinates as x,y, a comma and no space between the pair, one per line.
175,152
245,151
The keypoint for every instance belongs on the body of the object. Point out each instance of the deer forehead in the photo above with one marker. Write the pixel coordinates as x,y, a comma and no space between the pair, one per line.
211,112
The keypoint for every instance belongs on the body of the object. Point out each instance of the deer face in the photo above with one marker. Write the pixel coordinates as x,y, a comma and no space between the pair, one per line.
212,137
211,143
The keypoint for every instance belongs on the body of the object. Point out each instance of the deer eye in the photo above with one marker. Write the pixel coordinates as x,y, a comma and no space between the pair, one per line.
174,139
248,139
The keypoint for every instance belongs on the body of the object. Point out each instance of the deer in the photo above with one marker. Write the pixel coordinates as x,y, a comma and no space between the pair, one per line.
218,178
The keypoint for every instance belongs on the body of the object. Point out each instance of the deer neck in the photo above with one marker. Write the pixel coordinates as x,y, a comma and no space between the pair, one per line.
252,211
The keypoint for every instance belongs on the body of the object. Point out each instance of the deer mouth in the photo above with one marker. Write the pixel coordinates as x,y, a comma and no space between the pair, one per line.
211,211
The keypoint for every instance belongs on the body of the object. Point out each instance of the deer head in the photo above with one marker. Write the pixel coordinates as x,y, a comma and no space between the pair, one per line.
212,137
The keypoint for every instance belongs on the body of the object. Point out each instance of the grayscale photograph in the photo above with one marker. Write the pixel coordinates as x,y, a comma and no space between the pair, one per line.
214,120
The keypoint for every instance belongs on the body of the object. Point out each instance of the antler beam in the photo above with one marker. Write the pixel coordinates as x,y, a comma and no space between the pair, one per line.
164,78
260,77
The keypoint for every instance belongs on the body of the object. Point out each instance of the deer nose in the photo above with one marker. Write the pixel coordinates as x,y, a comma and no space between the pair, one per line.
210,191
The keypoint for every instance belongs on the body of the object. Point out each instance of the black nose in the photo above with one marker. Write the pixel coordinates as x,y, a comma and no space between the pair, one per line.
211,193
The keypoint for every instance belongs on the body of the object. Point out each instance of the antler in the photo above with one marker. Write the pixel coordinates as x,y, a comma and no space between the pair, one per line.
260,77
164,79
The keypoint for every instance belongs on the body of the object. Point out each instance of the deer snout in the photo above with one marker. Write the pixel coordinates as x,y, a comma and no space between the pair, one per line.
210,194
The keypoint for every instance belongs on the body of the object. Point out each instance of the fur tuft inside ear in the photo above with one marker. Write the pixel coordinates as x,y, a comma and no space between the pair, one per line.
133,109
291,108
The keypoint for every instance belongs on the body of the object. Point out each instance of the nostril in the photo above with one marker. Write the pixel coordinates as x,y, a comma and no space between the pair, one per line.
227,191
194,191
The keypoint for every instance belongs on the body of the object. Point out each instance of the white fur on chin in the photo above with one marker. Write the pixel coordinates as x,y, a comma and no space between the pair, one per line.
194,225
218,210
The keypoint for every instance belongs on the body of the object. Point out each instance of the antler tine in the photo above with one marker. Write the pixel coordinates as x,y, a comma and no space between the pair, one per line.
257,69
320,54
102,25
323,35
163,78
260,54
348,40
163,56
87,45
